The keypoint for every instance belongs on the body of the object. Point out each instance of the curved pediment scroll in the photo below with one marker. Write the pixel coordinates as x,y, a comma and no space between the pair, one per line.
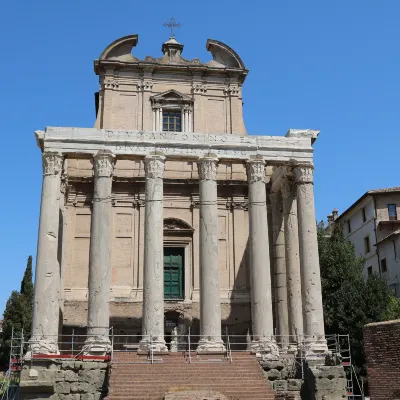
176,225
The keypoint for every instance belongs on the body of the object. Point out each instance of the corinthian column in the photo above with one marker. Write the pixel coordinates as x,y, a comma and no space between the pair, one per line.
153,277
292,252
210,303
261,298
100,255
309,259
279,270
46,305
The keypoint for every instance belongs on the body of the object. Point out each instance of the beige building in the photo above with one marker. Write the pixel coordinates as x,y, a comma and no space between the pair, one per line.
168,215
372,224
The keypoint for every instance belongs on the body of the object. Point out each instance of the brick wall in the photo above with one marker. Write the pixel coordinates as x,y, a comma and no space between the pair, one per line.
382,349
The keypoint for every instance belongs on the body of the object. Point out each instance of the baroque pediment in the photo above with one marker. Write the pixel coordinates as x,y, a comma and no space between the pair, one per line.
176,224
171,96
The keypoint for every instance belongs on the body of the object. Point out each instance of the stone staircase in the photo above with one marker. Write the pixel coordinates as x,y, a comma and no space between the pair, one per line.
133,378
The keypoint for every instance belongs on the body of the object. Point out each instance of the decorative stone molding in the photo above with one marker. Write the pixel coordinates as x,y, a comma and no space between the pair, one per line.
195,204
207,168
64,182
176,224
147,86
303,173
52,163
199,88
109,83
154,166
232,90
103,164
255,170
236,205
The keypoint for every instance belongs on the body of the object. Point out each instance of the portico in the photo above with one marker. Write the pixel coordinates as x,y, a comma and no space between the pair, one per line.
291,160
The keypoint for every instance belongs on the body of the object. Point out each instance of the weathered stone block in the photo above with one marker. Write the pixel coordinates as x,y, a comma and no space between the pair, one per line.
273,374
80,387
62,387
87,396
70,376
90,365
294,384
59,376
280,385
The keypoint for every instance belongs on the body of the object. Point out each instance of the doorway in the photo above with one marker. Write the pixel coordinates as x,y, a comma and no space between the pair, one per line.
174,273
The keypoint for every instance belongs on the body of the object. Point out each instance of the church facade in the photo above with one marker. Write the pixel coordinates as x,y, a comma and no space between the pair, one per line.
168,215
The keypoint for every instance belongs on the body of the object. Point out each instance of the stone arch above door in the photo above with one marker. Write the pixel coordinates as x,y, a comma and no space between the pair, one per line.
177,225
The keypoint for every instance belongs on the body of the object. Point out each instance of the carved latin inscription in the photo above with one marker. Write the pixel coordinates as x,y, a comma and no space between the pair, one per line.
52,163
154,166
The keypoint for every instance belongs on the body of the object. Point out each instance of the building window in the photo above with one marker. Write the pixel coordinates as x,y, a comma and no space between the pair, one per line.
383,266
348,226
364,214
392,212
367,246
369,270
172,121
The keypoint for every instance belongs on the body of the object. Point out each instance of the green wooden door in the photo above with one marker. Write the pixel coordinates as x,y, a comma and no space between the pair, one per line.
173,273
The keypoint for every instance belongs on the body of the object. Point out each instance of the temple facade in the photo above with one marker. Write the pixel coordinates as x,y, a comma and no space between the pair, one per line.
168,215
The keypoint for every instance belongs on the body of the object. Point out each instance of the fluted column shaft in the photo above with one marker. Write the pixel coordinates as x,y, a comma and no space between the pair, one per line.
309,260
100,254
292,252
153,278
279,269
210,302
261,297
46,305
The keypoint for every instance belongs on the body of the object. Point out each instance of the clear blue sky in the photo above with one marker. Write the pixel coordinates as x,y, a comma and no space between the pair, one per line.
328,65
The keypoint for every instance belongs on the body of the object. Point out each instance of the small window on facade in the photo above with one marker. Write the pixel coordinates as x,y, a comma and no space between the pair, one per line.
383,266
392,212
367,247
364,214
172,121
348,226
369,270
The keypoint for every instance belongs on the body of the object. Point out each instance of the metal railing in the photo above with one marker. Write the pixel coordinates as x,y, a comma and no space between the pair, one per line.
293,348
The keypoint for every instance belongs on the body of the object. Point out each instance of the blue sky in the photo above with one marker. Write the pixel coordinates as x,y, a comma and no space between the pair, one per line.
332,66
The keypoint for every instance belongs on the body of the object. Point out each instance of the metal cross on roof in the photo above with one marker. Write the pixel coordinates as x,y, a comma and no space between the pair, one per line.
171,24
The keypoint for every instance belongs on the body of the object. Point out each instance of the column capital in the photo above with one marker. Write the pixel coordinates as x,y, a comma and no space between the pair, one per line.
52,163
255,168
154,166
103,164
303,173
207,167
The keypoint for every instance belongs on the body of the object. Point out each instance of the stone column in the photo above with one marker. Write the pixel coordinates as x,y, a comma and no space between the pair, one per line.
279,270
292,253
46,305
315,342
261,298
210,300
100,255
153,279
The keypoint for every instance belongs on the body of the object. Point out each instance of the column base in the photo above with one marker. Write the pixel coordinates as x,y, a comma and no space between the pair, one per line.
315,348
96,346
208,345
41,346
267,348
157,345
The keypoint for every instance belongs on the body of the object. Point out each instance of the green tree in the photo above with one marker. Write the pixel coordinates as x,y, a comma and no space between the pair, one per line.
349,301
18,313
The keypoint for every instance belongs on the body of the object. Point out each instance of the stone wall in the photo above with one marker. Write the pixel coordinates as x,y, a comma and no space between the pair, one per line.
64,380
381,343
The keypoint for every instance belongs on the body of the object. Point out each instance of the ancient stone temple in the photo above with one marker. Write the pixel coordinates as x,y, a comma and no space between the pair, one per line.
167,216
